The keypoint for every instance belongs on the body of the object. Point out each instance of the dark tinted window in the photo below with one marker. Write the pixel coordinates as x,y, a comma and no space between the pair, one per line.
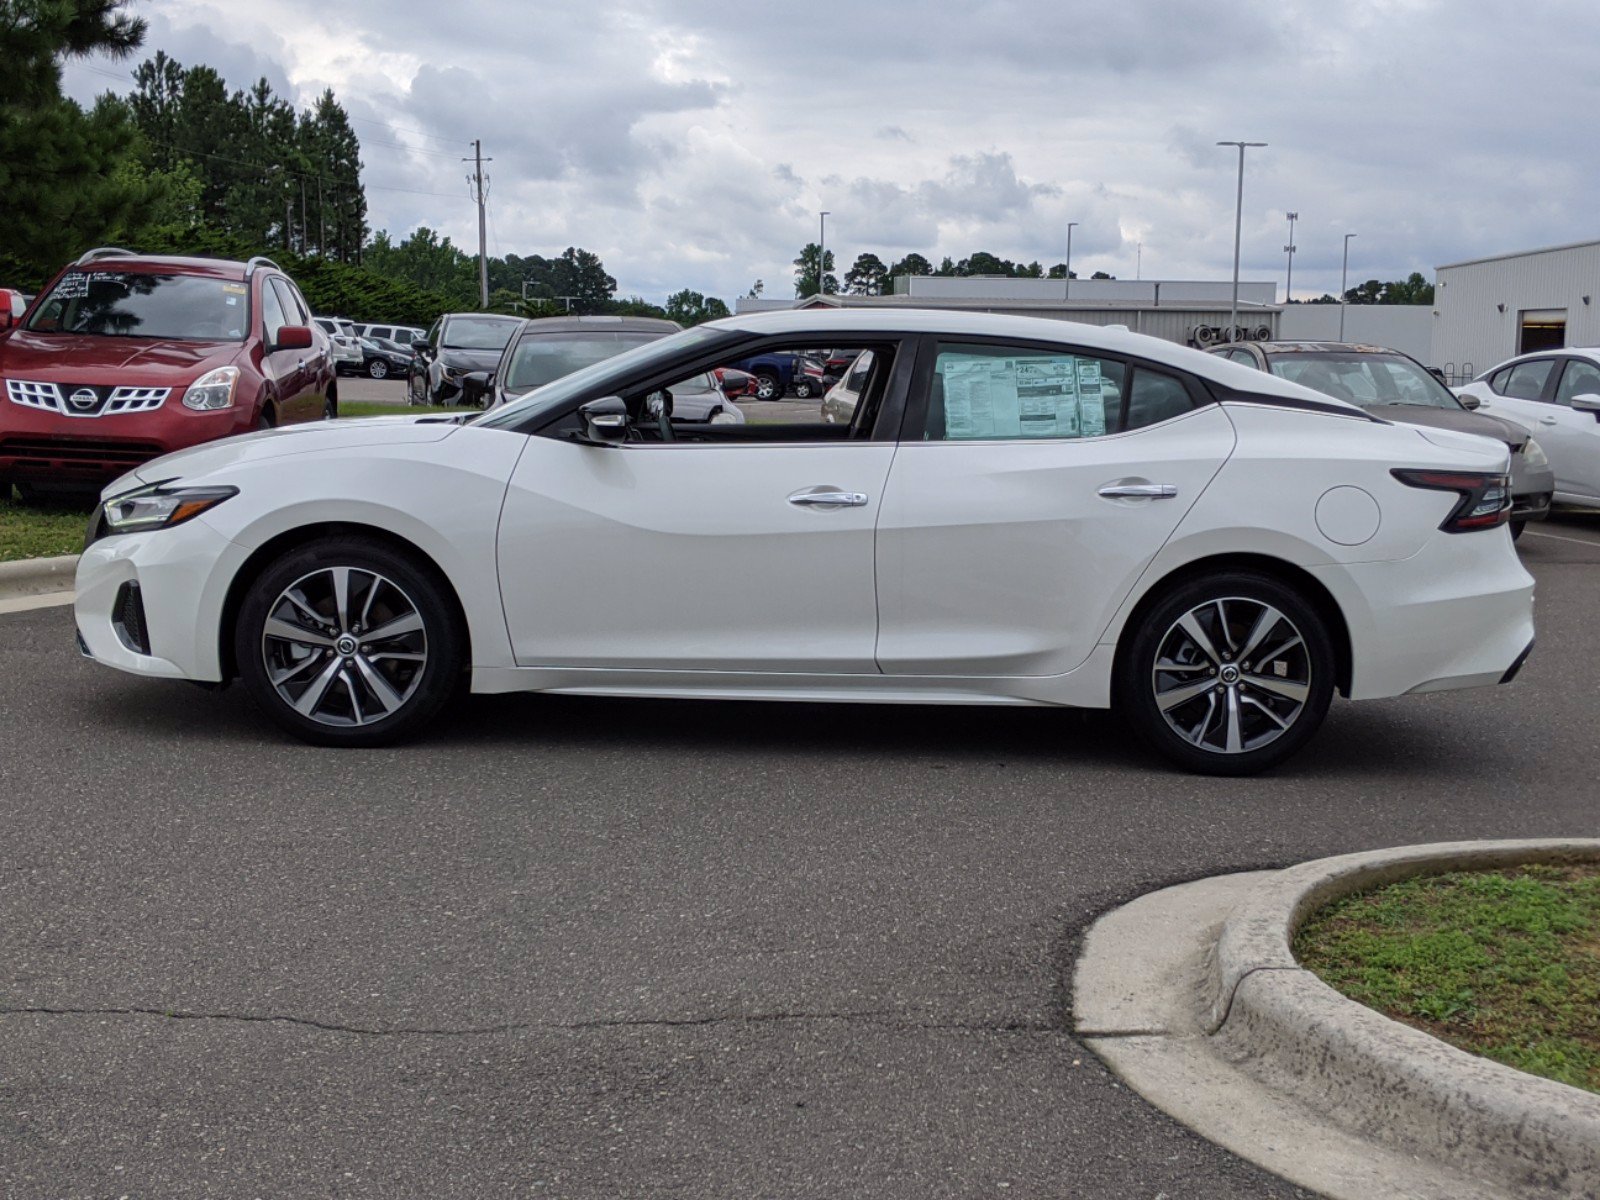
1154,397
477,333
130,304
1526,381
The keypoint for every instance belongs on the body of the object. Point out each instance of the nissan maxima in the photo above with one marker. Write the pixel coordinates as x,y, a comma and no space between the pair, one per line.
1018,511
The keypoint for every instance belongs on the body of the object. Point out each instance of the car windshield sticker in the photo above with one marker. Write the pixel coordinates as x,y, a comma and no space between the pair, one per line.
233,289
74,286
1056,397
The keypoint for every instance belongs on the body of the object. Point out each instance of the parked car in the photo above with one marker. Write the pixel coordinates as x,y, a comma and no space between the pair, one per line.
839,405
1024,511
343,342
1556,393
458,345
779,374
835,365
124,357
552,348
12,305
381,358
1397,387
404,334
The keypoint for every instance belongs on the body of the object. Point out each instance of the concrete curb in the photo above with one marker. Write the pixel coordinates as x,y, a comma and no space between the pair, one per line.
36,576
1377,1078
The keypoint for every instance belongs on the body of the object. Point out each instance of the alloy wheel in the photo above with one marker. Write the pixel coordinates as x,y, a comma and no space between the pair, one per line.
1232,675
766,387
378,369
344,646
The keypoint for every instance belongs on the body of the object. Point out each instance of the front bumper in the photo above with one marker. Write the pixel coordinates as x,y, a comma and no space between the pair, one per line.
180,579
1531,489
75,452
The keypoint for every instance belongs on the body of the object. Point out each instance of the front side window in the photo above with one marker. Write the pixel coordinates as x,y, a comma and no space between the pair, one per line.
1581,378
272,314
984,392
194,308
1526,381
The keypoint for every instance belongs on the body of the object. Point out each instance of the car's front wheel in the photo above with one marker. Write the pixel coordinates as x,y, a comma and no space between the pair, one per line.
768,386
348,642
378,369
1228,674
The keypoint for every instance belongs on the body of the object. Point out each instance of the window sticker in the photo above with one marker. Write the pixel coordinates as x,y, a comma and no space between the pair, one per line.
1030,397
73,286
234,289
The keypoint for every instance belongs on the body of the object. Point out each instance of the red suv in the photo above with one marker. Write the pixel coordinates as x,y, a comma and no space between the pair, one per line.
126,357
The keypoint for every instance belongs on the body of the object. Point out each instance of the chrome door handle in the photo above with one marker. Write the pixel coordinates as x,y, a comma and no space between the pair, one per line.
1547,420
1139,491
829,499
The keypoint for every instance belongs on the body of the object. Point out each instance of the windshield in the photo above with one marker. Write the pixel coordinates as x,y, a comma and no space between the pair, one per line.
1364,379
476,333
543,358
194,308
609,372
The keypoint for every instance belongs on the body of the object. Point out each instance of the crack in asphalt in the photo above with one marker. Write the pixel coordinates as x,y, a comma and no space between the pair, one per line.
868,1015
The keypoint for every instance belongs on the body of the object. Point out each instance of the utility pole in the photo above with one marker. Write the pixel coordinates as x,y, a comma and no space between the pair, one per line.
1344,282
322,222
476,179
1066,293
1138,261
822,254
288,223
303,225
1238,227
1288,279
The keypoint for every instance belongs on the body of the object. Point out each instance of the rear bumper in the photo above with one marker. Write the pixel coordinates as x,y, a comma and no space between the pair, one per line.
52,450
1458,614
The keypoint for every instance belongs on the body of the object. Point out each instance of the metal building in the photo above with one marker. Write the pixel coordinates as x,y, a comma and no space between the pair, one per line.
1490,309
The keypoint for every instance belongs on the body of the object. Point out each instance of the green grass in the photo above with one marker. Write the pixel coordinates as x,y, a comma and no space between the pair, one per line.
42,531
1505,964
369,408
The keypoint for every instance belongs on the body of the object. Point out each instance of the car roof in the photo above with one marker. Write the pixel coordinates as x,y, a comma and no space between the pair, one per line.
1310,347
482,316
153,264
620,324
1113,339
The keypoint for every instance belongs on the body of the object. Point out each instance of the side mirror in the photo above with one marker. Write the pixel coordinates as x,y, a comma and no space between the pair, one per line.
735,383
1588,402
420,347
605,421
1469,400
481,380
293,337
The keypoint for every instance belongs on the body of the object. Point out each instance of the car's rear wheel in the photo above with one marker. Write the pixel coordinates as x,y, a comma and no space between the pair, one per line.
1228,674
1516,529
348,642
804,390
768,386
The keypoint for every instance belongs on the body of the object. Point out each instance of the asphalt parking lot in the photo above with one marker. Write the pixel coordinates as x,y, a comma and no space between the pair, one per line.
598,948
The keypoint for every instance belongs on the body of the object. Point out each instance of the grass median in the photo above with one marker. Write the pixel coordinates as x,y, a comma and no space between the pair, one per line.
42,530
1505,964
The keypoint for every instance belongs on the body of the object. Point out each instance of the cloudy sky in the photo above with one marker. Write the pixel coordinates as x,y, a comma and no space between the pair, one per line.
691,144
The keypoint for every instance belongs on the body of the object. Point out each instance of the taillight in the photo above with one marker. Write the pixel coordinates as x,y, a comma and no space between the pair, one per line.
1485,497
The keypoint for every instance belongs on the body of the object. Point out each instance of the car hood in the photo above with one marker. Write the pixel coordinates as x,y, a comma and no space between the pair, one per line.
470,360
79,357
1459,419
213,458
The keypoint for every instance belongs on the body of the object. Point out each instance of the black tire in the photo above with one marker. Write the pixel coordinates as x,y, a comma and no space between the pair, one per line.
1516,529
803,390
5,489
378,369
1251,703
267,418
421,692
768,386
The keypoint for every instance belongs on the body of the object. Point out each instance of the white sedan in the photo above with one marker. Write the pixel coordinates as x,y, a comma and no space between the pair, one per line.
1556,394
1019,511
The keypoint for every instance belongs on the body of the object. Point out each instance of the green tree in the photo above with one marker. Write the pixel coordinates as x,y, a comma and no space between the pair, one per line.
805,273
866,277
61,166
1102,275
911,264
580,276
1059,271
691,308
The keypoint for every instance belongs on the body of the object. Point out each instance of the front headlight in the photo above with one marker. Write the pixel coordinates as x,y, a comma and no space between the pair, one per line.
1533,454
160,507
214,389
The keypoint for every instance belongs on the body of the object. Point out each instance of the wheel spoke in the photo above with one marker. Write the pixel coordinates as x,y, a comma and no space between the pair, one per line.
1200,638
1167,664
366,603
355,700
1246,698
1287,688
395,656
288,632
1184,692
341,597
1265,624
299,601
306,705
1235,726
1197,735
410,623
284,676
387,696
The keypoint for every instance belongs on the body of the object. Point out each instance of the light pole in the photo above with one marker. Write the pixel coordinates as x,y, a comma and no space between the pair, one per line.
822,255
1067,294
1344,282
1238,226
1138,260
1288,279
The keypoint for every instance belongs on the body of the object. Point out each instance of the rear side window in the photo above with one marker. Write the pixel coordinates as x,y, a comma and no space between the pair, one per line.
982,393
1154,397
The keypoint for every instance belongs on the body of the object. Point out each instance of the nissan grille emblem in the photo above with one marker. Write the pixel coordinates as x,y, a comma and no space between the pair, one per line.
83,399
